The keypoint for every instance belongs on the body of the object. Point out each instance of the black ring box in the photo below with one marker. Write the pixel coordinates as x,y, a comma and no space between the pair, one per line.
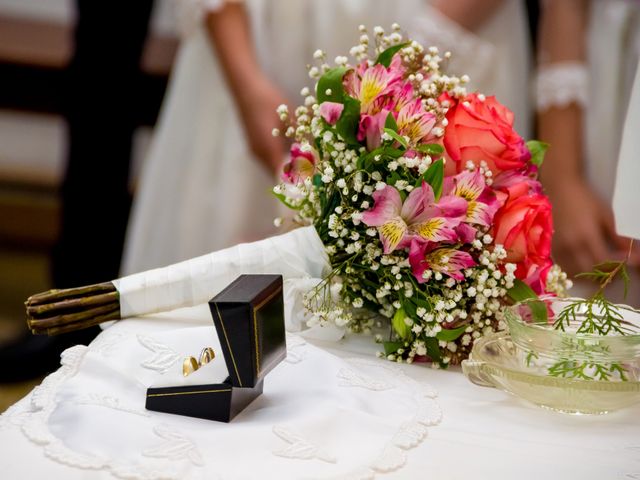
249,318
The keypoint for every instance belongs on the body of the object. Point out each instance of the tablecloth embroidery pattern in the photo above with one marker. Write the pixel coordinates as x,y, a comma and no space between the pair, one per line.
175,446
163,357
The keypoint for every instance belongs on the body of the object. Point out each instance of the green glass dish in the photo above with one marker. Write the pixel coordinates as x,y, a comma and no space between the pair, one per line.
498,361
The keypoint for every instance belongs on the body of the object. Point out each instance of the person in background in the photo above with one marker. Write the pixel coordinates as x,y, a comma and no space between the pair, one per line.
101,111
588,54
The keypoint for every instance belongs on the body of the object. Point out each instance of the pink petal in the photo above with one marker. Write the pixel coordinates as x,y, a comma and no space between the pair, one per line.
435,229
466,233
392,233
301,164
416,202
416,259
451,207
331,111
456,261
387,206
371,127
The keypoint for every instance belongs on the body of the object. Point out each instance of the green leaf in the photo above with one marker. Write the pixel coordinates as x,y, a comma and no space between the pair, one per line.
401,328
451,335
284,200
317,180
390,122
390,348
396,137
393,178
386,152
332,80
537,149
434,176
422,303
430,148
522,293
410,309
433,349
385,57
347,124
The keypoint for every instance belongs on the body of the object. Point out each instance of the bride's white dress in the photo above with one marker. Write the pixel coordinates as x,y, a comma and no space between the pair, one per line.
201,189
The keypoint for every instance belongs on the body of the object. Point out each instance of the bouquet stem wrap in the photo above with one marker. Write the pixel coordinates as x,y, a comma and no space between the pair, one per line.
296,254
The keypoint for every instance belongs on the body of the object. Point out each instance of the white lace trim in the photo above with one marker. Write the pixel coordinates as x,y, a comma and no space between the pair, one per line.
108,401
561,84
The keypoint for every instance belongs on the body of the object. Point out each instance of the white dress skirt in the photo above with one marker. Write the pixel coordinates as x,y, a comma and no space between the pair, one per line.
200,187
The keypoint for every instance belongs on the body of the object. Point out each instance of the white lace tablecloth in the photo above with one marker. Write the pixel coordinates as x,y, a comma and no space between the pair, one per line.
331,410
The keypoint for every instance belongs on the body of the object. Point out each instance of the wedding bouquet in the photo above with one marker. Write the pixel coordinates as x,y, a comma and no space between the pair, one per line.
424,196
420,204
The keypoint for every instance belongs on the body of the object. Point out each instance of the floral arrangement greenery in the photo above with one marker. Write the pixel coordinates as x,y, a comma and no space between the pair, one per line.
424,195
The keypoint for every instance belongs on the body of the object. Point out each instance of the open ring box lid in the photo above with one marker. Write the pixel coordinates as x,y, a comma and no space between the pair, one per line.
249,318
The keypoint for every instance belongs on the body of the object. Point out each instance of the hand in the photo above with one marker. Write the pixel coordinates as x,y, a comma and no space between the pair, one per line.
584,228
258,115
255,96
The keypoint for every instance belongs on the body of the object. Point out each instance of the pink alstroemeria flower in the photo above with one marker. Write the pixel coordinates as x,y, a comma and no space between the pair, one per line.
301,164
419,216
482,203
371,86
415,122
371,127
331,111
446,260
404,96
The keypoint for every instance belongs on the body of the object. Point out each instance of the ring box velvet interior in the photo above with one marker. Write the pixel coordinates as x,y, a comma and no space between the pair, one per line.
249,318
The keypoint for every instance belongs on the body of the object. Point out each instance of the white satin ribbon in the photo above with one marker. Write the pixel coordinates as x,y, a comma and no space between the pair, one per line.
298,254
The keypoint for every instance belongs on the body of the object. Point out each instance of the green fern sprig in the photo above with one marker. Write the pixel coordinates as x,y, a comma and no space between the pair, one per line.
596,316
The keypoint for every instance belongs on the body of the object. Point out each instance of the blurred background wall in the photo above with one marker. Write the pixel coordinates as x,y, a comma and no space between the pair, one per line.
36,45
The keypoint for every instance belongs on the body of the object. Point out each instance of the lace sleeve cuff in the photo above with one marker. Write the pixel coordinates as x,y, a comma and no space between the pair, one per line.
561,84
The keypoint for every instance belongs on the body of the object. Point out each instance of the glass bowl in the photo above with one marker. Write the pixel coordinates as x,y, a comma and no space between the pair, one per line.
498,361
546,340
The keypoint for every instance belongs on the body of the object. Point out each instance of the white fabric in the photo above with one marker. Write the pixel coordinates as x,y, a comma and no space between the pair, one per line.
331,410
613,52
560,84
298,254
626,200
201,189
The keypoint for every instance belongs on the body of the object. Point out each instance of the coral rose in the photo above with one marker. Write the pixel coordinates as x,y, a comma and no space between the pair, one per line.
524,226
482,129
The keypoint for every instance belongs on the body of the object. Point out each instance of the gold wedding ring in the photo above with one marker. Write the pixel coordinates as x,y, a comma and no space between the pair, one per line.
207,355
190,364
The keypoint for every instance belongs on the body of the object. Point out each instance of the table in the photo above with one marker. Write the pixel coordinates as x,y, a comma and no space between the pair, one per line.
88,420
